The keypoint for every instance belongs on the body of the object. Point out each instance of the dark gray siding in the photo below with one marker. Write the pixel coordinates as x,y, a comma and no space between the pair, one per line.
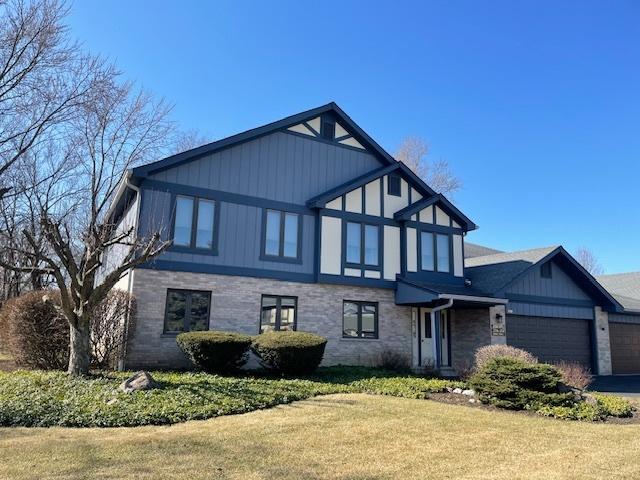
559,286
280,166
624,318
546,296
114,255
239,235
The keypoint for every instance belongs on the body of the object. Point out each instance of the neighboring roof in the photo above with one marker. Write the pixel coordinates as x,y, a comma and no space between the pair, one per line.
447,206
474,250
625,288
209,148
494,273
319,201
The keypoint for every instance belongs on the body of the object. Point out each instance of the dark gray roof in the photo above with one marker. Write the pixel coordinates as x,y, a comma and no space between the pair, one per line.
490,273
625,287
474,250
449,289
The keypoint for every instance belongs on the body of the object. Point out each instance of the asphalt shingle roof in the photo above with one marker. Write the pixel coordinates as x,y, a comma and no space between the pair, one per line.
490,273
625,287
474,250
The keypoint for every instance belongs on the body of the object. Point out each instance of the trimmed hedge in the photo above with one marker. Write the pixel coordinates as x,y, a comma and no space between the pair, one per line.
215,352
289,352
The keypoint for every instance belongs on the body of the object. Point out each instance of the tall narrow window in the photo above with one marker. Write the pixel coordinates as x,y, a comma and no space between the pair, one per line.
281,234
394,185
194,223
371,245
278,313
183,221
427,249
204,232
442,248
353,242
359,319
186,311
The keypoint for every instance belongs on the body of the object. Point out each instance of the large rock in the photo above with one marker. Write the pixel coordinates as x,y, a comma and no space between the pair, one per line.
139,381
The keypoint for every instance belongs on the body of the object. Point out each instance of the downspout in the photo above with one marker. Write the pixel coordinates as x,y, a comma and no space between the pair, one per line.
437,335
121,360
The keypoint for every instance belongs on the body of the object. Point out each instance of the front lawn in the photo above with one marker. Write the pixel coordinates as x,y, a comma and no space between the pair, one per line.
53,398
350,436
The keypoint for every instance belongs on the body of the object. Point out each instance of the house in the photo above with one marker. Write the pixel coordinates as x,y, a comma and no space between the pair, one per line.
308,224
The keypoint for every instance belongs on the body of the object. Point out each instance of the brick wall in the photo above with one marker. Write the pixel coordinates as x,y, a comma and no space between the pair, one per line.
235,306
469,330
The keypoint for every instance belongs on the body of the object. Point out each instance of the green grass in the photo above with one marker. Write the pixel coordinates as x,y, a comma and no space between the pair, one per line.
334,437
45,399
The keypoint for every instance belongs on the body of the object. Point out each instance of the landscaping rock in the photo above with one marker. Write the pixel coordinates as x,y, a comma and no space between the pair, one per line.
469,393
139,381
590,399
457,390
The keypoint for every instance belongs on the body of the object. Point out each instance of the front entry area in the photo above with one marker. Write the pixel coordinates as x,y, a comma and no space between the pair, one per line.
434,334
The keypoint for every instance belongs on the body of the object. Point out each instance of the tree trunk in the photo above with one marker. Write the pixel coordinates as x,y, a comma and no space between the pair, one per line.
79,353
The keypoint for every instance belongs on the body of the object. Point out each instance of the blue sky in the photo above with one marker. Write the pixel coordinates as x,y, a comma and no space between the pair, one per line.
536,105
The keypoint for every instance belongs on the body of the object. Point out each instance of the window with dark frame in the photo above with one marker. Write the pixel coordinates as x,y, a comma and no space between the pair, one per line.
359,319
545,270
278,313
362,244
281,234
394,186
427,325
186,311
435,252
194,223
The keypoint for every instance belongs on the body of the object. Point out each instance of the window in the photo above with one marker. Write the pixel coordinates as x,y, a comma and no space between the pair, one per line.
394,186
442,247
278,313
427,249
186,311
359,319
545,270
281,234
362,244
427,325
328,129
194,223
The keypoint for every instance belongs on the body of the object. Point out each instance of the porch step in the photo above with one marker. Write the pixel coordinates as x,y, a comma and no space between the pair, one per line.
447,372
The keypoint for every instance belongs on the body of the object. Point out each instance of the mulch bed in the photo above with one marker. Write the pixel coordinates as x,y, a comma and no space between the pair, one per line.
463,400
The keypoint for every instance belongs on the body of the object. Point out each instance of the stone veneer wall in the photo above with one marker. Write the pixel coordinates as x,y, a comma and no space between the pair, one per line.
235,306
470,330
603,343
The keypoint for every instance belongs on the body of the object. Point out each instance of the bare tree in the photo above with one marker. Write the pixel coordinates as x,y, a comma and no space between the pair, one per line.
43,77
189,139
413,153
589,261
116,128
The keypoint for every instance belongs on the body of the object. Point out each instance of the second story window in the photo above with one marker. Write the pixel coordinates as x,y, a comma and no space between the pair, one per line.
435,252
281,235
362,244
194,223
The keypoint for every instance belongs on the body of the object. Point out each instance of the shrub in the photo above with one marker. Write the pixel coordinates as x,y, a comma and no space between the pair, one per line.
614,406
579,411
215,352
392,360
489,352
513,383
289,352
574,374
112,322
34,333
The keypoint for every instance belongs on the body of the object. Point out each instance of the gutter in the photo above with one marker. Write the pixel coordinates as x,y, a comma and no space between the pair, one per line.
469,298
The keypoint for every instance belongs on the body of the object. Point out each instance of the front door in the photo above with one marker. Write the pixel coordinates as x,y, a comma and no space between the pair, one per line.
427,347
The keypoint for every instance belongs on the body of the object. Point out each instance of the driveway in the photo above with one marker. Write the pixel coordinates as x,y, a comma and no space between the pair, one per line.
625,385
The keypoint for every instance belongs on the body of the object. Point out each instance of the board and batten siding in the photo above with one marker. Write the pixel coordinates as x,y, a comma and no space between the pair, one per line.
280,166
239,236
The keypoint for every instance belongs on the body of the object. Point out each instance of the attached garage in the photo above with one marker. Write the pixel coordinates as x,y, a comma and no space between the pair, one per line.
552,339
625,348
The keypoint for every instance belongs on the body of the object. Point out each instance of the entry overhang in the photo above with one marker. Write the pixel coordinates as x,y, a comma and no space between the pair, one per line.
417,294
